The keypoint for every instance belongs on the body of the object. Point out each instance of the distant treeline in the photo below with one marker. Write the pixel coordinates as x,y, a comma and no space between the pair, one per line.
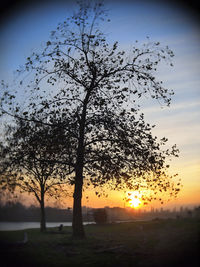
17,212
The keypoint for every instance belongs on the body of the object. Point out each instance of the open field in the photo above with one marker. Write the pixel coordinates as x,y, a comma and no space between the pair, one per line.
154,243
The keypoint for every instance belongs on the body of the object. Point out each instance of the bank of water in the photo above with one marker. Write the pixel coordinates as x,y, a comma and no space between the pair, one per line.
13,226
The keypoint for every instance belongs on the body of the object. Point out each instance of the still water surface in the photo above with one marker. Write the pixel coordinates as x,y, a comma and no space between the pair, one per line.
12,226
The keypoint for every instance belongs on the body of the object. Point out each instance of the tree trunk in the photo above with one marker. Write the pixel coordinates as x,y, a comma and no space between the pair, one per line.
42,216
77,224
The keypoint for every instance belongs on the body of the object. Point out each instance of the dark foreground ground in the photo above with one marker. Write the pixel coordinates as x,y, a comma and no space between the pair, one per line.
155,243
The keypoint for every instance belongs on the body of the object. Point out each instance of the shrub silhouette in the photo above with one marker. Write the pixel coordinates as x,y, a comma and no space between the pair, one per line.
100,216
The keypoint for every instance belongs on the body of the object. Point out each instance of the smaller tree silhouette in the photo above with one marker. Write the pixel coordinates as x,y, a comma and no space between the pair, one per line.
29,162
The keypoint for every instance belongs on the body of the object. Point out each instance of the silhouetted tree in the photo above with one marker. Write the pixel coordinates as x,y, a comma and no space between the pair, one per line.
30,156
93,90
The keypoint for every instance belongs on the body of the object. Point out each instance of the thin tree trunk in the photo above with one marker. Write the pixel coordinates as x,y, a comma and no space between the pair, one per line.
42,216
77,224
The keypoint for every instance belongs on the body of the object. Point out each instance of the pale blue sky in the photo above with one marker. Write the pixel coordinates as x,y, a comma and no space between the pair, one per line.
171,24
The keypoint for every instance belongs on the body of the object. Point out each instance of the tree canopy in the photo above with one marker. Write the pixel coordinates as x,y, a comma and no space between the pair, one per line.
88,89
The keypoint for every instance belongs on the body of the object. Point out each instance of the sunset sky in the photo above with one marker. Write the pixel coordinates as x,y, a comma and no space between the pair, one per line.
26,28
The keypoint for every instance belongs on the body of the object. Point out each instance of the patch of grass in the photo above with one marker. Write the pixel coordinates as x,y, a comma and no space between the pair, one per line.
153,243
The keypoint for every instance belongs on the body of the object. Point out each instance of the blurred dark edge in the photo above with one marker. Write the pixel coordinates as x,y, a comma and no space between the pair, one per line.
10,7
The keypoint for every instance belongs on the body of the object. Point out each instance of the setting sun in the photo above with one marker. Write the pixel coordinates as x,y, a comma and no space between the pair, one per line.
133,199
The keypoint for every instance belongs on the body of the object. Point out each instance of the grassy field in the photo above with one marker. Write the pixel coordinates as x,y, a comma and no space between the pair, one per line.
153,243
